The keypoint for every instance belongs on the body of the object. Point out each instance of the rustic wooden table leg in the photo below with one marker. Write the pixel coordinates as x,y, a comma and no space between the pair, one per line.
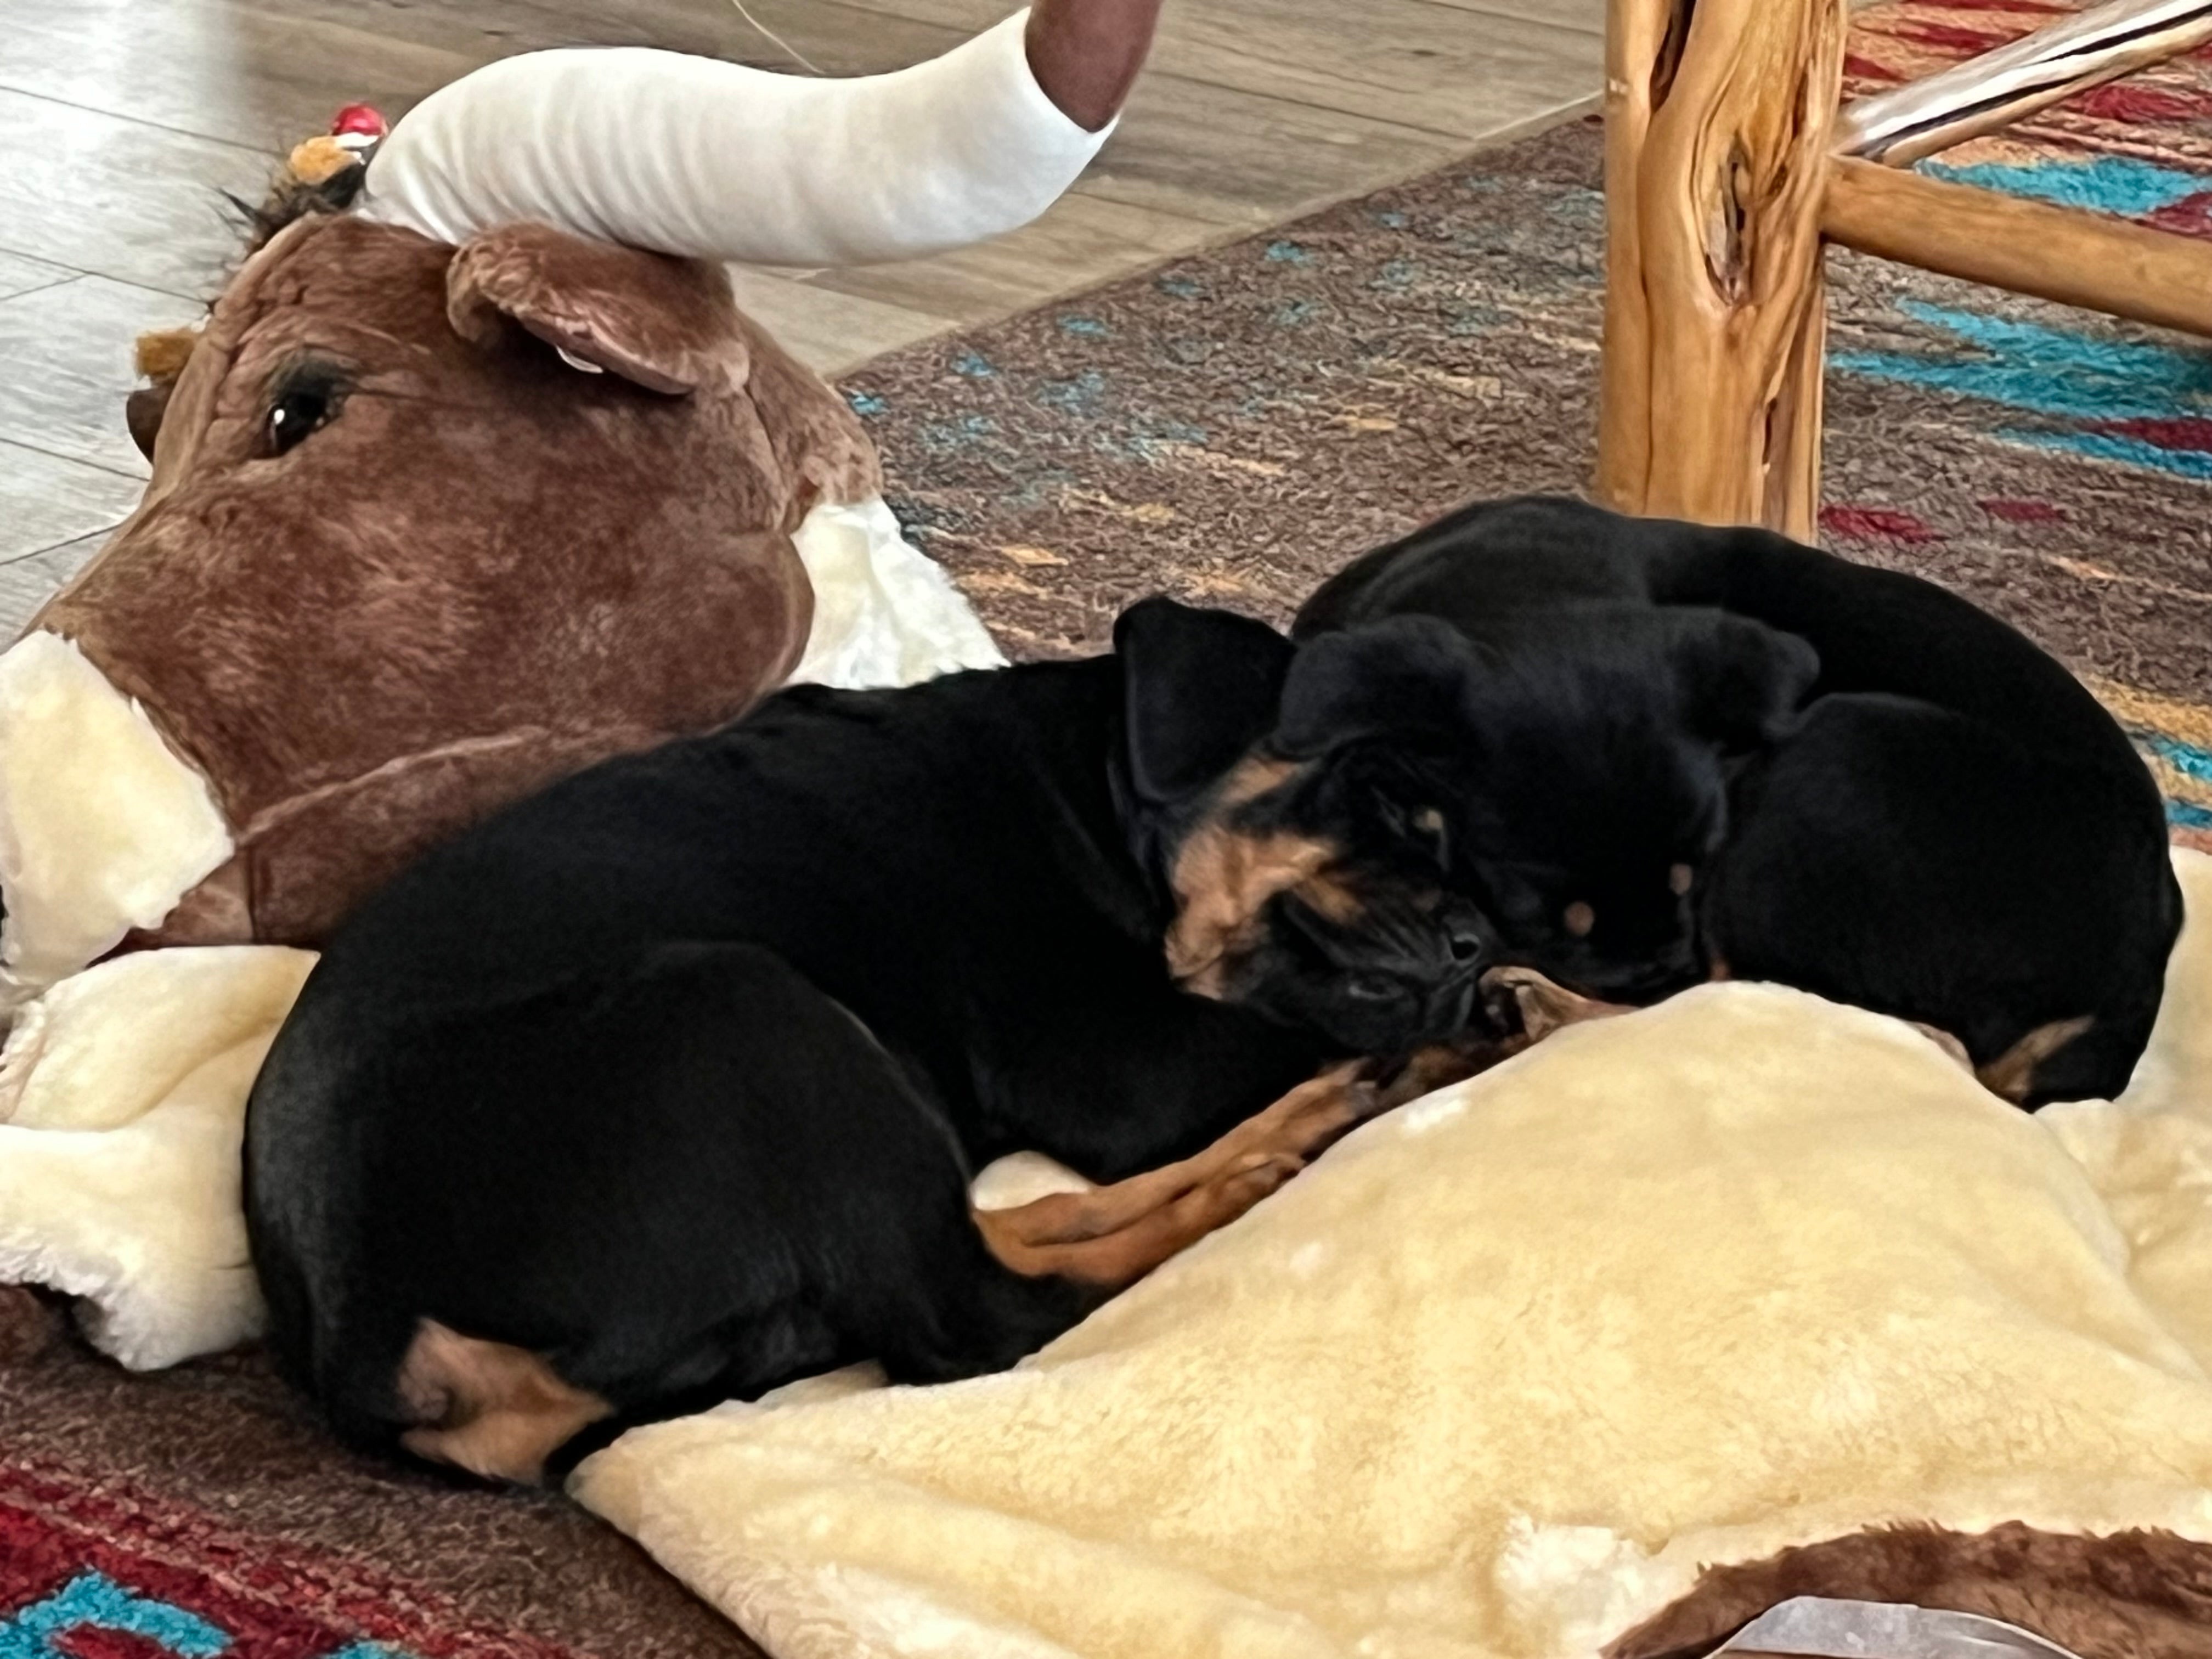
1718,116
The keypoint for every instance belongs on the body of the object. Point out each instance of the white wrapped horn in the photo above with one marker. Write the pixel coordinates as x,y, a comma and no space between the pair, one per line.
692,155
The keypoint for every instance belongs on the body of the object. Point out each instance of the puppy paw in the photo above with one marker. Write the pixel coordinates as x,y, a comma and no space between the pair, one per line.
1543,1006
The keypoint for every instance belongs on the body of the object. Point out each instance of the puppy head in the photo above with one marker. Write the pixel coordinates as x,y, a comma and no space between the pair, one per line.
1581,771
1311,888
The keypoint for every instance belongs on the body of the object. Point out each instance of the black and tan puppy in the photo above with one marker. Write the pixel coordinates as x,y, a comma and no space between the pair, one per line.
1950,829
665,1086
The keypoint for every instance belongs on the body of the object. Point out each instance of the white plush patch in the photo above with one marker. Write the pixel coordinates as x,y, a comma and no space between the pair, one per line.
122,1101
1743,1271
102,827
884,612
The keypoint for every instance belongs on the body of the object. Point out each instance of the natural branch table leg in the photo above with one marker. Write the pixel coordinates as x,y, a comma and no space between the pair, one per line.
2022,247
1718,119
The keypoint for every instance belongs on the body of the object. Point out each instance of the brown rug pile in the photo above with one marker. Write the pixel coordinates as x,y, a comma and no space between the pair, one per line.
1228,429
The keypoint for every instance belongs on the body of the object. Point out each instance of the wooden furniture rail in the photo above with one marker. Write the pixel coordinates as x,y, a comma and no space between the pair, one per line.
1728,164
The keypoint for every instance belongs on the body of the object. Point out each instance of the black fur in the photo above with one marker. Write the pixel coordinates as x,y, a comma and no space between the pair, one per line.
290,200
1950,829
675,1074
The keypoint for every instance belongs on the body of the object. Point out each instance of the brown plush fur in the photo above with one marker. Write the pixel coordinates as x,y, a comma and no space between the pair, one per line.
488,569
2131,1595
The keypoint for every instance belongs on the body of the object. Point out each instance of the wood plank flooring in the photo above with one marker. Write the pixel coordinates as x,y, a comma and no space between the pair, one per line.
123,122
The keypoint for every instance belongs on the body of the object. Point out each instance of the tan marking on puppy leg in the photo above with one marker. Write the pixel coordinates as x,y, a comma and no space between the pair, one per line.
2011,1075
1121,1258
1442,1064
497,1410
1545,1006
1950,1044
1111,1236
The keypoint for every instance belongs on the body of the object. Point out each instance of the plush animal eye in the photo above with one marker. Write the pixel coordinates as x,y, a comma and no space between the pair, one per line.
1579,918
294,416
1680,877
304,400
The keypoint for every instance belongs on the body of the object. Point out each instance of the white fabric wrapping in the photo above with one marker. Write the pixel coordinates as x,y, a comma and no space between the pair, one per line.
1503,1370
692,155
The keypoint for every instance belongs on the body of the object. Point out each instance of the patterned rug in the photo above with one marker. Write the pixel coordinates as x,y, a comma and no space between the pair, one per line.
1228,428
1234,425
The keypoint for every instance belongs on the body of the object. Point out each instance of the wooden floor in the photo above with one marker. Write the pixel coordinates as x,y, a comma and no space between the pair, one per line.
121,121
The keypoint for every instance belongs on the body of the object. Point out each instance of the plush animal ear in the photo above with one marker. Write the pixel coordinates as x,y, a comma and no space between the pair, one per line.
1200,689
667,324
161,357
1401,674
1740,680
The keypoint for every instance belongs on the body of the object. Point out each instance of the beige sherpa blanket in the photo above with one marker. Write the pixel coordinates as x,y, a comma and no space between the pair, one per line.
1504,1368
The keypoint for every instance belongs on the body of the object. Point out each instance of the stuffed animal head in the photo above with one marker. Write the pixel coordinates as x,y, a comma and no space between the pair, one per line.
428,526
448,502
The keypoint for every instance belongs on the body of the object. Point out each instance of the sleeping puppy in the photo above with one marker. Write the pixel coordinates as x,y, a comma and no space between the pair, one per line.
1951,830
1588,761
665,1086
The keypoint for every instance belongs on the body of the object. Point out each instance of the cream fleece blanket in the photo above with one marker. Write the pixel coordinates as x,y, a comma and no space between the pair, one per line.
1501,1371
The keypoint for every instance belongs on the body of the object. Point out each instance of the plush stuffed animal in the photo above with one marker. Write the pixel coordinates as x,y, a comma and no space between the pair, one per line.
474,476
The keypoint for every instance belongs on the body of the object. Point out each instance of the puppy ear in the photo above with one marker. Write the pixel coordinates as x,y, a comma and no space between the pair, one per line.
664,324
1200,689
1741,681
1401,674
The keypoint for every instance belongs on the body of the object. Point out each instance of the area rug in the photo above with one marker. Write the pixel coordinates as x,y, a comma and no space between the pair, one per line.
1227,428
199,1512
1232,427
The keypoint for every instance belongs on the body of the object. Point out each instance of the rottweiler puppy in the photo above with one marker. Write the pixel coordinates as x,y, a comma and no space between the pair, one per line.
1946,826
666,1086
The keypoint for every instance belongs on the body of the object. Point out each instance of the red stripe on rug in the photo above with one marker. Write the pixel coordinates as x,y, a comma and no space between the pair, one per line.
2178,431
2139,103
1947,37
1869,523
277,1600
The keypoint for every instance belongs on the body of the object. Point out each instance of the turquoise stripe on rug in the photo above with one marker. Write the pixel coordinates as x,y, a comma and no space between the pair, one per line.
2047,371
2185,758
2109,184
